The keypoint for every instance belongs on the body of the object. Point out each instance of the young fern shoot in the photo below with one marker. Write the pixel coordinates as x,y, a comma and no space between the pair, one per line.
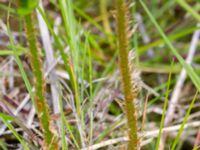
50,140
128,75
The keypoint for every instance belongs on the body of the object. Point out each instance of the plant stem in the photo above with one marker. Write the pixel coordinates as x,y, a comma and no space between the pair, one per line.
123,43
39,95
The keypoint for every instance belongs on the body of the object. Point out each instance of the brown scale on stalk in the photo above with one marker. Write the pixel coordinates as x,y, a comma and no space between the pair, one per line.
135,74
129,73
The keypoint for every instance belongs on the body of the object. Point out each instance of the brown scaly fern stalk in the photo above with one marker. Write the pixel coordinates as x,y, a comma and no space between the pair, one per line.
39,95
50,142
130,92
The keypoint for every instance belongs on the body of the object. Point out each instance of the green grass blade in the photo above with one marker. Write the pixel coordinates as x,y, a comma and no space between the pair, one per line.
17,59
164,112
6,119
3,145
193,76
66,124
73,41
184,122
6,52
88,18
172,37
189,9
63,139
7,8
20,65
196,148
106,132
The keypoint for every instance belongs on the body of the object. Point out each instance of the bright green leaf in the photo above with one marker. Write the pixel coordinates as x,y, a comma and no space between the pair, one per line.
25,7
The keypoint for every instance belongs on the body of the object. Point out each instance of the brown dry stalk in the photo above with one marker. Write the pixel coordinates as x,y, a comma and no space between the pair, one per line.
130,91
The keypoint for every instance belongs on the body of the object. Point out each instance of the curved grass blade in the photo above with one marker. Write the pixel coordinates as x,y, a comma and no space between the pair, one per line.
6,119
164,112
184,122
189,9
193,76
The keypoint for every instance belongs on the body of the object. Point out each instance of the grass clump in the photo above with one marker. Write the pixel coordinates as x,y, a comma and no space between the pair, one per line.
93,50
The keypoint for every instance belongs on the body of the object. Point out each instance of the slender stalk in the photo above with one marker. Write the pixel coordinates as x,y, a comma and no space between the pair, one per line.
123,44
104,13
39,95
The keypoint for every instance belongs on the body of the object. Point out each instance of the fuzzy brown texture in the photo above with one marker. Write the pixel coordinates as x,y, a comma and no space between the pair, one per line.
130,92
